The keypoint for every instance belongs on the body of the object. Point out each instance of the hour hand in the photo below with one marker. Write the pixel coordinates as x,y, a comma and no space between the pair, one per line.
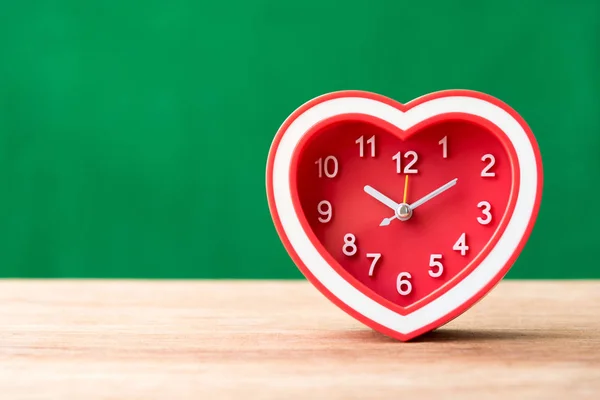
382,198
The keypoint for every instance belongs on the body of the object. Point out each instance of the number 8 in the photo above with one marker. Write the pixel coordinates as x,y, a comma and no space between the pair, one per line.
349,248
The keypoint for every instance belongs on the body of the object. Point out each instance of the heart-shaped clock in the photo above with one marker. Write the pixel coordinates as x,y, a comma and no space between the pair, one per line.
404,215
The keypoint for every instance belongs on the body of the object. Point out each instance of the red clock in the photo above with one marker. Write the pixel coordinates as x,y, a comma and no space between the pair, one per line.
404,215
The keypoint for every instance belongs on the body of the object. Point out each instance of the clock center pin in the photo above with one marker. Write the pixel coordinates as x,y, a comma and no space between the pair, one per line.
404,212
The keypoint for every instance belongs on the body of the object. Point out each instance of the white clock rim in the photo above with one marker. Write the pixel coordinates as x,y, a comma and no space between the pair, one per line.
489,267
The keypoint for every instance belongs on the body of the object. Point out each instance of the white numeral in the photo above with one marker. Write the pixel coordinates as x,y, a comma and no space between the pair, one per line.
329,166
461,245
434,263
486,211
361,142
485,172
444,143
398,162
407,168
403,286
375,257
349,248
326,212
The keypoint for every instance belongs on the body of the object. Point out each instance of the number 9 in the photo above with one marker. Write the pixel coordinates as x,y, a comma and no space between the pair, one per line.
324,209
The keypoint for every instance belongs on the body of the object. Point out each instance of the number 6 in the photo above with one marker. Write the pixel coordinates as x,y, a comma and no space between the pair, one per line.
400,282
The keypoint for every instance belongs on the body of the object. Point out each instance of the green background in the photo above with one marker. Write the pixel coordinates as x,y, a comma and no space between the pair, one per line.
134,135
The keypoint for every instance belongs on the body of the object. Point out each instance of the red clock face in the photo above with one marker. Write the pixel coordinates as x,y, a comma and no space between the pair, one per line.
405,219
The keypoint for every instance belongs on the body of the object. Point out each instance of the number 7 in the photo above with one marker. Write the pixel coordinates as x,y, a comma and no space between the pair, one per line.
376,257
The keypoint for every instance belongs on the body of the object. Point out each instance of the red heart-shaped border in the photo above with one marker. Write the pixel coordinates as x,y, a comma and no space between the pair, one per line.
319,270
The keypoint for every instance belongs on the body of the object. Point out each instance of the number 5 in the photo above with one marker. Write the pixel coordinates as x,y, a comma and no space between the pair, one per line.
434,263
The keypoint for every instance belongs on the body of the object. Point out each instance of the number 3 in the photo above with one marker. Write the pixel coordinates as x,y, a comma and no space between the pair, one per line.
486,211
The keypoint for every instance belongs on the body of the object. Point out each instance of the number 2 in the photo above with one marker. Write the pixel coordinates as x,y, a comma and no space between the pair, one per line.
485,172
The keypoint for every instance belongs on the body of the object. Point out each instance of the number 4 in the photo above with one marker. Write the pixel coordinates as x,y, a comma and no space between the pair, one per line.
461,245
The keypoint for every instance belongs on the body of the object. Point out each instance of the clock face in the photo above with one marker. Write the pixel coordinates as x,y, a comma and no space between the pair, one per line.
404,215
405,219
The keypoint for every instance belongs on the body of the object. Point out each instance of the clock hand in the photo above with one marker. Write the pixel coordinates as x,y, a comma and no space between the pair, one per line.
406,210
381,197
431,195
403,213
387,221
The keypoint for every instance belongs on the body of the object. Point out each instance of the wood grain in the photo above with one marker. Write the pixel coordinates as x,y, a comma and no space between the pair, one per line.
281,340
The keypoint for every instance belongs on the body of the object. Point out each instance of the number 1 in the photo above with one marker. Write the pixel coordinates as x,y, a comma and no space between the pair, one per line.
444,143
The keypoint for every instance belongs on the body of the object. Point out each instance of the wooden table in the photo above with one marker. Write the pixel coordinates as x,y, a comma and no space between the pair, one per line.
281,340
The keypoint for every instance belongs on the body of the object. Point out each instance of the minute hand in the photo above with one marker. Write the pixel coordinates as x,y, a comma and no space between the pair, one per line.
433,194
